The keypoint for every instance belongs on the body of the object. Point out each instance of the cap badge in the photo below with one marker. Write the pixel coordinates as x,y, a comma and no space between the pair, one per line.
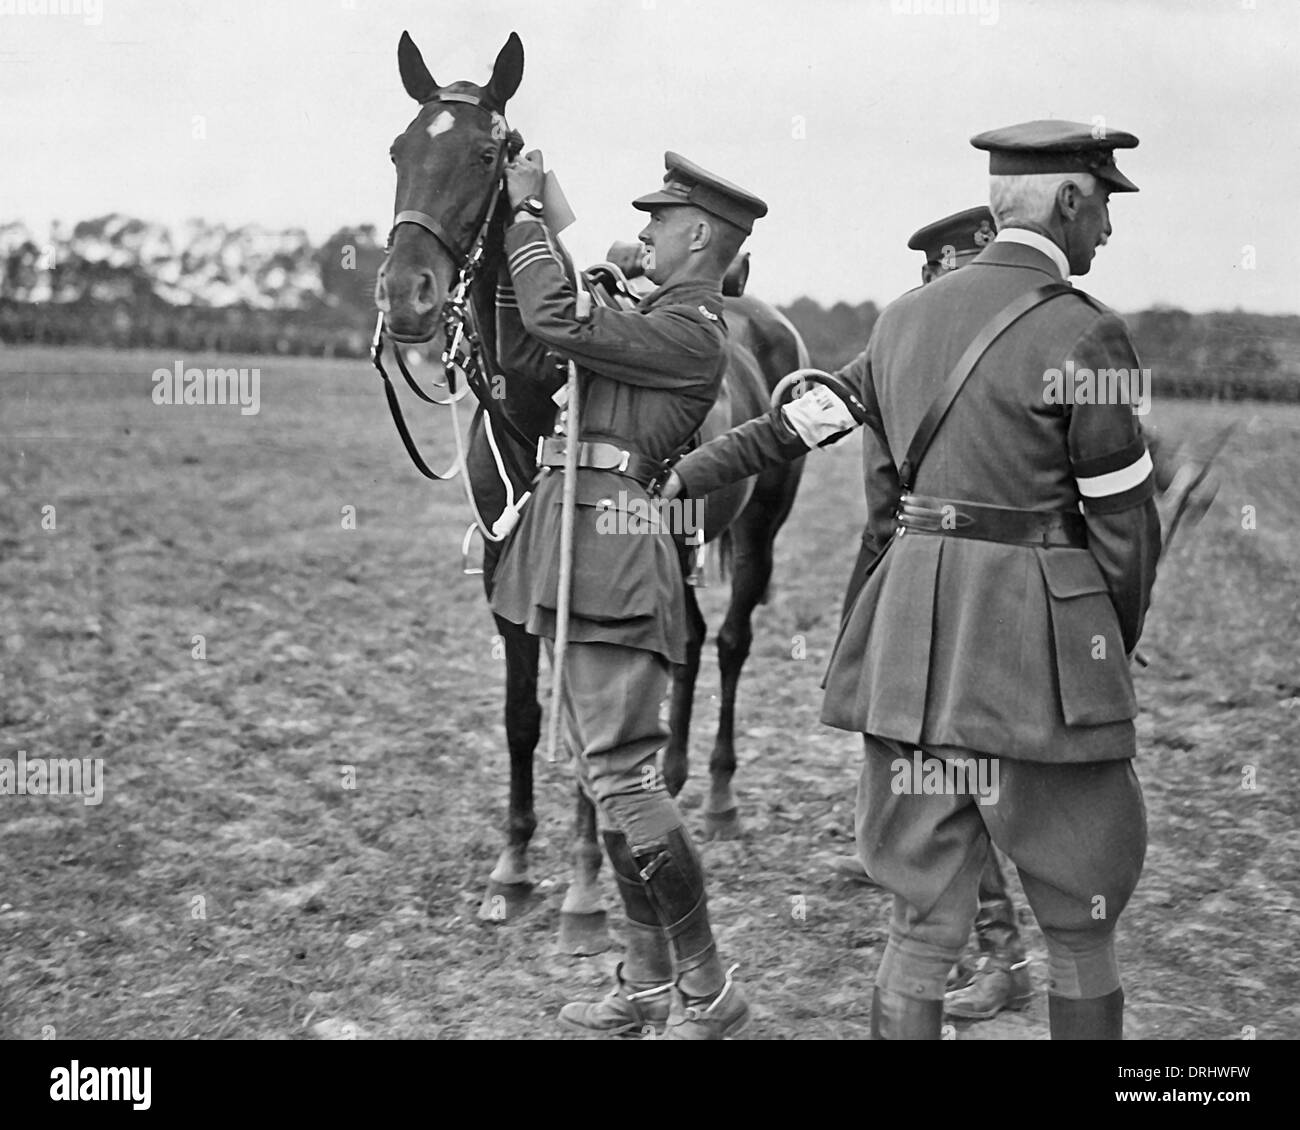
985,235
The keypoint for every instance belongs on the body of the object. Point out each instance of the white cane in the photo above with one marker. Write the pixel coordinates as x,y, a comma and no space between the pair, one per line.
571,441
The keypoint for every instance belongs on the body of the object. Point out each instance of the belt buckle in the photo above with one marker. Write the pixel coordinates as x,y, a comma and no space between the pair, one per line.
623,463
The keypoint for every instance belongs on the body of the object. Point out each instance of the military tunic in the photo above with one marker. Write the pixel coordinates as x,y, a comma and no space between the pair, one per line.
649,378
1004,649
1009,652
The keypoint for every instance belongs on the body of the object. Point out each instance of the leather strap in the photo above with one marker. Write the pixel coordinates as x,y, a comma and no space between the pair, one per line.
456,96
934,416
867,562
435,229
414,452
597,456
955,518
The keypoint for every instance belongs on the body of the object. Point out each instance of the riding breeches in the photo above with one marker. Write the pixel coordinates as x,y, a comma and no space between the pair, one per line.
1076,833
611,699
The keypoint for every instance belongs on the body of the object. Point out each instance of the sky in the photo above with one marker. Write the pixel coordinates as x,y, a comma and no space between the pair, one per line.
852,118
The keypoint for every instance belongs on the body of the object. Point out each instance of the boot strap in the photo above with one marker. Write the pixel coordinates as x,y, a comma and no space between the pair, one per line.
698,1012
646,994
634,998
682,928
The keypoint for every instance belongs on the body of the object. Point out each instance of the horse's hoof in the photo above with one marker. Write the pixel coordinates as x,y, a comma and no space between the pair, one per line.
583,933
674,781
722,825
505,902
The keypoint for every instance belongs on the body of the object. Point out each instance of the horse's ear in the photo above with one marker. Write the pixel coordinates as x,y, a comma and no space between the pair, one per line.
506,73
415,75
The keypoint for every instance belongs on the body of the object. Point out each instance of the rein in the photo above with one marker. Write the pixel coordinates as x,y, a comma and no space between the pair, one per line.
463,355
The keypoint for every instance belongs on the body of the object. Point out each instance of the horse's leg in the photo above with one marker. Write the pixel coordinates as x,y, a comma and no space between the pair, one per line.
683,699
753,534
509,885
583,924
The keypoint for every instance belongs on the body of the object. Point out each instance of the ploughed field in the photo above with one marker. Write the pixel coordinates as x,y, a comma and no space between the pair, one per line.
295,830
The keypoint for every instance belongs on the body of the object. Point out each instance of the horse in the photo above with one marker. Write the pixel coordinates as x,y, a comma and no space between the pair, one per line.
444,257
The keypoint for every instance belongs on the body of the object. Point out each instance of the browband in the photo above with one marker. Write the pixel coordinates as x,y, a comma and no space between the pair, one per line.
454,96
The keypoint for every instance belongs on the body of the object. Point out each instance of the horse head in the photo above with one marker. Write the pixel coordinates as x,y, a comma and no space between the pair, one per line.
449,163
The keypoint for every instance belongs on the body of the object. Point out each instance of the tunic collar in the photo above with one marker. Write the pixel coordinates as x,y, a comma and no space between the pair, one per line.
689,292
1039,243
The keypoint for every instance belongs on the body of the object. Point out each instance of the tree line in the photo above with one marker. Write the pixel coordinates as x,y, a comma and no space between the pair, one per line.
119,282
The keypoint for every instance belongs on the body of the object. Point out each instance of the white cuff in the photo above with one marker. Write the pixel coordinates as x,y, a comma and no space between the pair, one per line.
818,415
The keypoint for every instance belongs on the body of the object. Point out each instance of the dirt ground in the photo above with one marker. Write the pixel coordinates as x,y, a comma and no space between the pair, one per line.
296,828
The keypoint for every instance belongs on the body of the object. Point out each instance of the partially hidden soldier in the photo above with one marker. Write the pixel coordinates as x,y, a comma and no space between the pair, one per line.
997,975
649,377
1004,578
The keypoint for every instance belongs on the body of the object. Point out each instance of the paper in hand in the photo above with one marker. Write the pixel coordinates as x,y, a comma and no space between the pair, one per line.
558,213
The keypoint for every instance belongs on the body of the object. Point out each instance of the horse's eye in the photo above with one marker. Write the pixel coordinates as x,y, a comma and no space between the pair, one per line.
488,157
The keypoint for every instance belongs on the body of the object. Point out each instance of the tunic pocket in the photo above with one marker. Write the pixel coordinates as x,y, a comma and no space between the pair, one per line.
1094,683
615,558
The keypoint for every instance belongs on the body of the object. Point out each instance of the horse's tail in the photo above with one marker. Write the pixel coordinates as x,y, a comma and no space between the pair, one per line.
725,551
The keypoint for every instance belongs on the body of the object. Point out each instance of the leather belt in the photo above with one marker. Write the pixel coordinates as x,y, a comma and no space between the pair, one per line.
598,456
954,518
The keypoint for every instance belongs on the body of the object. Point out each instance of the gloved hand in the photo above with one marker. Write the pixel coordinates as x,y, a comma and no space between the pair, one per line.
671,487
819,417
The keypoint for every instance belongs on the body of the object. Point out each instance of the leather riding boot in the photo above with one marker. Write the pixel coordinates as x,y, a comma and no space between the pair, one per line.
1100,1018
1000,977
715,1017
995,921
996,984
649,958
640,1000
711,1005
963,973
673,881
896,1017
628,1009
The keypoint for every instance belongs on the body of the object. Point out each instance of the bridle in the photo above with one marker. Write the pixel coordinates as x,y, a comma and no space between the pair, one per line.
463,354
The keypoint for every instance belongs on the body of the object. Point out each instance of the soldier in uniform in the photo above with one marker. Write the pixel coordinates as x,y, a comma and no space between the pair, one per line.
991,623
649,378
996,975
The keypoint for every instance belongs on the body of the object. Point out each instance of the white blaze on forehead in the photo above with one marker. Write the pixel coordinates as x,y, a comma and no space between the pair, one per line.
441,124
